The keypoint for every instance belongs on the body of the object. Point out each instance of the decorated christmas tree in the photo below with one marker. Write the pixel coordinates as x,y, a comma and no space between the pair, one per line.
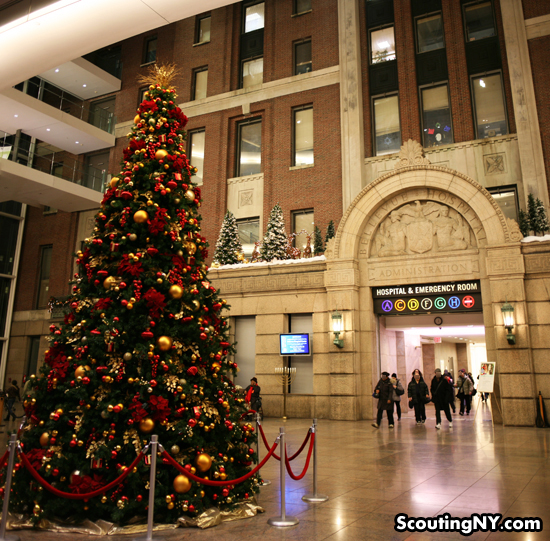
317,241
330,231
275,239
144,349
228,246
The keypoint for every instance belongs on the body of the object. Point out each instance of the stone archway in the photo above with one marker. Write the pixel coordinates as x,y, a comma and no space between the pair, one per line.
422,223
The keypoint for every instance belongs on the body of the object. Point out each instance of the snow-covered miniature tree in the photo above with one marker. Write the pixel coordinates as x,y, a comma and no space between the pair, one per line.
524,226
330,231
317,241
274,243
228,245
532,212
541,225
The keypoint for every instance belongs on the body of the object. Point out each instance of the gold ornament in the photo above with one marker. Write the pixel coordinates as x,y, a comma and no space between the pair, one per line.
81,371
191,247
203,462
175,292
182,484
146,425
141,216
174,449
160,154
44,439
196,305
189,195
109,282
114,182
164,343
137,119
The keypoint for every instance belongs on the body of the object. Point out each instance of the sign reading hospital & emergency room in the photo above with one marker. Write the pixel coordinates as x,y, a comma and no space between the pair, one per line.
428,298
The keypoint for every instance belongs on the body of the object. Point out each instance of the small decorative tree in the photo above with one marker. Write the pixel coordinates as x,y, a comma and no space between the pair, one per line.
542,220
317,241
330,231
274,243
228,246
524,226
532,212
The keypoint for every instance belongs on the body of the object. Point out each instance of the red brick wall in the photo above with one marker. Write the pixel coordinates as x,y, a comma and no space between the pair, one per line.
535,8
58,230
538,51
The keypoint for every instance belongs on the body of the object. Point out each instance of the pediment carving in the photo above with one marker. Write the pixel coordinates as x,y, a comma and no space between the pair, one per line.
411,153
422,227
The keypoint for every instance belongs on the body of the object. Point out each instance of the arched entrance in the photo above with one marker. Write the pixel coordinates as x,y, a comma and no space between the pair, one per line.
424,224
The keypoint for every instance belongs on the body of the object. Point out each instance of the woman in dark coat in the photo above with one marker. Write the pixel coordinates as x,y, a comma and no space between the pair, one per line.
442,393
384,393
418,395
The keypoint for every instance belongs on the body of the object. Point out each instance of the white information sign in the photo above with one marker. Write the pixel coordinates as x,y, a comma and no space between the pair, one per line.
486,378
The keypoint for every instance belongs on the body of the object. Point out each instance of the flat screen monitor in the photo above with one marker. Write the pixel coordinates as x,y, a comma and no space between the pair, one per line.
294,344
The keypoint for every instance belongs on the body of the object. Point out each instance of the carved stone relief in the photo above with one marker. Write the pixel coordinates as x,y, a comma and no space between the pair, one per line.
494,164
422,227
245,197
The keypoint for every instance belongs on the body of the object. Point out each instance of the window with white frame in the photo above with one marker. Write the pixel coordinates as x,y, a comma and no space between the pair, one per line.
196,153
249,233
249,155
200,80
253,72
303,136
254,17
203,28
489,106
436,116
382,45
387,130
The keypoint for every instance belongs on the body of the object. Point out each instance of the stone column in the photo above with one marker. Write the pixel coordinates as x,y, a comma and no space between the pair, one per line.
523,97
351,101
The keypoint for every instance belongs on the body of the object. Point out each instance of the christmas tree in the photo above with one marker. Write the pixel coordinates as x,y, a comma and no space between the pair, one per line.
144,349
524,226
532,212
330,231
541,224
228,246
317,241
275,240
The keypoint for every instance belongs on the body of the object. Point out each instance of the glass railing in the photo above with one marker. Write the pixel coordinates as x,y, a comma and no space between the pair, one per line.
69,103
54,161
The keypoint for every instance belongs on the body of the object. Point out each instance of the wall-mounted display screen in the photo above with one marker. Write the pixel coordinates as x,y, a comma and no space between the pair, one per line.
294,344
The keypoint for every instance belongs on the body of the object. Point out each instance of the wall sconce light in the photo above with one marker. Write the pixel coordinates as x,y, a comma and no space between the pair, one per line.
337,328
508,316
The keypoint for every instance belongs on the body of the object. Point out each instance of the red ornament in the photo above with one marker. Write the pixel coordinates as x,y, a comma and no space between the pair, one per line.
191,422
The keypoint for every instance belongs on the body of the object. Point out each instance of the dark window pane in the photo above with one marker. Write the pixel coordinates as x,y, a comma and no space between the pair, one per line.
430,33
436,117
204,30
302,5
11,207
9,229
5,285
479,21
34,352
44,282
303,57
250,149
150,51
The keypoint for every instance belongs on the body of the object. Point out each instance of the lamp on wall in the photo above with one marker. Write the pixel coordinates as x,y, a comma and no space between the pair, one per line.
337,328
508,316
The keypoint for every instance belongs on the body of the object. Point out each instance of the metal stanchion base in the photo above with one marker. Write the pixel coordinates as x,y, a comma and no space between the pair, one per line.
314,498
146,538
266,482
10,537
281,522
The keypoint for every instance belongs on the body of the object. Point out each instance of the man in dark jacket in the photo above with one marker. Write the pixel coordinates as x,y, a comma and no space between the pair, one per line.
441,392
384,393
12,394
253,394
419,395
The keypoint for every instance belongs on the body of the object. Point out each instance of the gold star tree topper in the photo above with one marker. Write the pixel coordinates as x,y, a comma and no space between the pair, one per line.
160,75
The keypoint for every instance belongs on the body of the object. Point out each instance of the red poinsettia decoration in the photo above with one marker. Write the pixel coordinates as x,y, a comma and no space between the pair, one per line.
159,408
86,483
101,304
129,267
179,116
134,145
58,362
157,224
156,302
149,106
35,457
137,409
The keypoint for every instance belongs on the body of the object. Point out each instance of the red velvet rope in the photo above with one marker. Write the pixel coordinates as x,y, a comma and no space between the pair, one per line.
70,495
3,459
297,453
245,414
287,462
227,482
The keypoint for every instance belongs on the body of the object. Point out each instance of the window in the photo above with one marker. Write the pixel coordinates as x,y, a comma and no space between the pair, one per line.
253,72
387,129
489,106
44,277
436,116
200,79
57,169
249,234
254,17
479,22
505,196
382,45
302,220
301,6
102,114
249,160
303,136
429,33
302,57
203,29
34,351
141,94
150,50
196,153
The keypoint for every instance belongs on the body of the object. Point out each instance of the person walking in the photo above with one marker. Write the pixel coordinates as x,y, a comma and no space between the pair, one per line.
253,394
397,392
384,392
448,377
441,392
12,395
419,395
464,394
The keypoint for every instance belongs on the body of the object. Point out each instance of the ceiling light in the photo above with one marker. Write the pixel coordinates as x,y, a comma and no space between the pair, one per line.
57,70
383,44
76,142
47,129
482,83
83,86
15,116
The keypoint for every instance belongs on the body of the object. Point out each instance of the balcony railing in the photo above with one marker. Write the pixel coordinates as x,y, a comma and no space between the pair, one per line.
69,103
54,161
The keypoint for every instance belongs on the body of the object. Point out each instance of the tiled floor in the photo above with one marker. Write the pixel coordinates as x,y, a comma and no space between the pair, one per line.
371,475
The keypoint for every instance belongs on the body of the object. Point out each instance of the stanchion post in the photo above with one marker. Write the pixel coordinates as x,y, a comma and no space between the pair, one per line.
7,492
282,521
154,445
314,498
265,482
